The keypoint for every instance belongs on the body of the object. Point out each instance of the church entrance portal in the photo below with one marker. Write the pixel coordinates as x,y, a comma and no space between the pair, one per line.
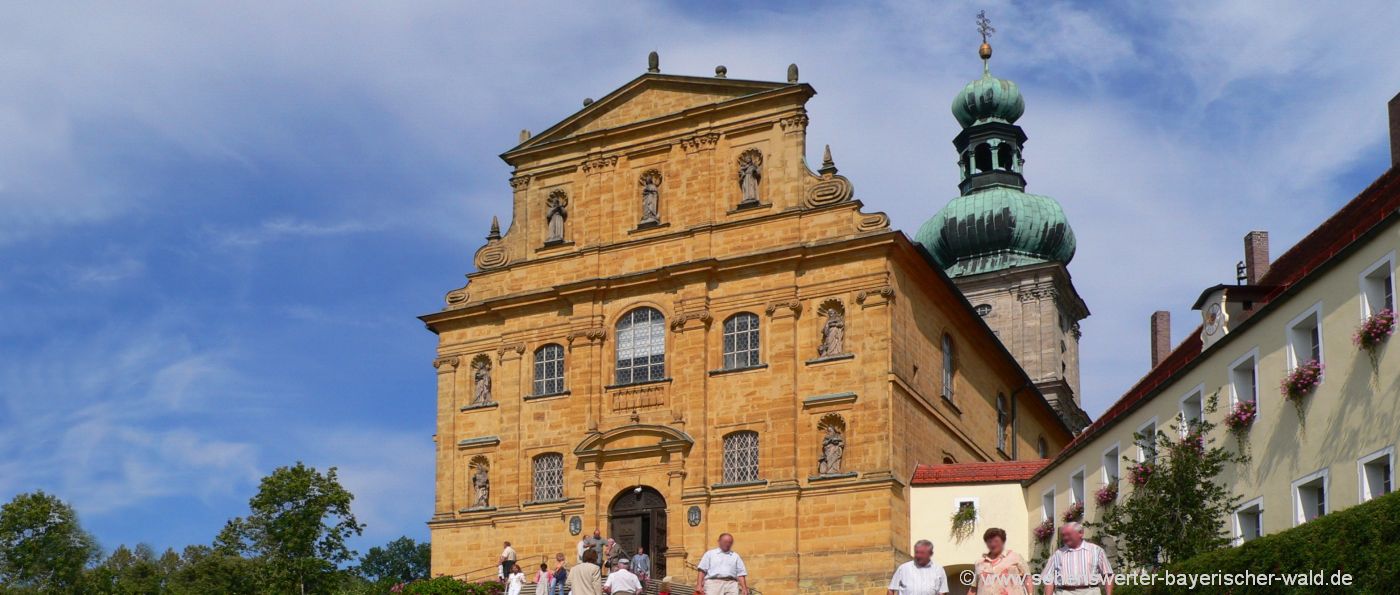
638,519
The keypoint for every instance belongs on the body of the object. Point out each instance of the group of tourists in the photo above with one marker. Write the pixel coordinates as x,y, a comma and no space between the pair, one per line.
603,566
1078,567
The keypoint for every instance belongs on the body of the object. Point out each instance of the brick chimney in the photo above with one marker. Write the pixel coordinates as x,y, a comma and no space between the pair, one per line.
1256,256
1395,130
1161,336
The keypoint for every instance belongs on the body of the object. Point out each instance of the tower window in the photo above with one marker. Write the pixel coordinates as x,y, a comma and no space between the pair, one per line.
1005,156
983,157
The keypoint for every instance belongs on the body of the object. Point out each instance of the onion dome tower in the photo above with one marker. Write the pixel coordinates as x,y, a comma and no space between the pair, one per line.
1005,248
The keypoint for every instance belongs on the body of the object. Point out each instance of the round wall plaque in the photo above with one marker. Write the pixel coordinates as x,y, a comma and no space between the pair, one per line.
575,525
692,516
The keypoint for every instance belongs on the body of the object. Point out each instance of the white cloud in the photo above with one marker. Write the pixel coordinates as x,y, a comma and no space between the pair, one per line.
284,228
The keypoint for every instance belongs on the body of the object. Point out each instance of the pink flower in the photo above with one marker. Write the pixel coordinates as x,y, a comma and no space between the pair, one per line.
1140,473
1106,495
1375,330
1302,380
1044,531
1241,417
1075,512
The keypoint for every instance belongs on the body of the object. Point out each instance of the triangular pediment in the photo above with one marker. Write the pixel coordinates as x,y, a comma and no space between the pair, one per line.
648,97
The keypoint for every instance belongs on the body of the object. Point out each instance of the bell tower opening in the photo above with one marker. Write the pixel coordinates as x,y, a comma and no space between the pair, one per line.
637,518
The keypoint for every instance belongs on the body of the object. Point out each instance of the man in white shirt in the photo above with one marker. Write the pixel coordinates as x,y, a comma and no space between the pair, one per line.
1078,567
722,571
621,581
507,560
920,576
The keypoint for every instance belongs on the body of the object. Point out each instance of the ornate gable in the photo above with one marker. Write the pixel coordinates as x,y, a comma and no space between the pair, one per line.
646,98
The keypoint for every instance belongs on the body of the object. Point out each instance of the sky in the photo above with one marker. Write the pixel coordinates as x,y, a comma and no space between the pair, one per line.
219,221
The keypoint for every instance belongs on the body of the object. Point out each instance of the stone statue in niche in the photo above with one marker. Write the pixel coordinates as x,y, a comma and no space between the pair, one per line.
481,485
833,449
833,333
556,210
481,381
651,198
750,174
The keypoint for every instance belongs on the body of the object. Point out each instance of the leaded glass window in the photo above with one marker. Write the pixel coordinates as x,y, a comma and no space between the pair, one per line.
741,457
741,341
641,346
549,370
549,477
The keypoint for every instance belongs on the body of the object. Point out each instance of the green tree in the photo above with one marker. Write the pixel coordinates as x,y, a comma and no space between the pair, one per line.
134,571
205,569
42,545
298,524
1177,508
400,561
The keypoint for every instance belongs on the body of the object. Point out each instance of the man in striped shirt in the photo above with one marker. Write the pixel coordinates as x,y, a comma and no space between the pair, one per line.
1078,567
920,576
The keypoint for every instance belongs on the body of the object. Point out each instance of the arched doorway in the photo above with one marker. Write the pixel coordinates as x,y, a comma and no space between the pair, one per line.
637,518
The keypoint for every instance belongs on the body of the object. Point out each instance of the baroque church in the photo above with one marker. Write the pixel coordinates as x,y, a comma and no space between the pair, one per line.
686,330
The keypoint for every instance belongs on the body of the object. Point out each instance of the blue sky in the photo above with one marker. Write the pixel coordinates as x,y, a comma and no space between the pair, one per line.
218,223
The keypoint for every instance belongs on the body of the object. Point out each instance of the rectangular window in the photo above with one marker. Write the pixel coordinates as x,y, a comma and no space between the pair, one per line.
1244,380
1378,287
1076,487
1305,338
1310,497
549,477
1147,442
740,457
1111,460
741,341
1249,521
1377,472
1192,409
1047,505
549,370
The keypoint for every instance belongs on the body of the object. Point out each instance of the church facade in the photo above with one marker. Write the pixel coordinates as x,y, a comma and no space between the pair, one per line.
687,331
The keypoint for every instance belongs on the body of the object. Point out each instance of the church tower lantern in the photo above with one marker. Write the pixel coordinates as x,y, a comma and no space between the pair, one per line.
1005,248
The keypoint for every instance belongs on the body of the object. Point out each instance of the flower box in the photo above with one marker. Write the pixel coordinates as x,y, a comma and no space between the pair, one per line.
1241,416
1302,381
1106,495
1375,330
1075,513
1044,531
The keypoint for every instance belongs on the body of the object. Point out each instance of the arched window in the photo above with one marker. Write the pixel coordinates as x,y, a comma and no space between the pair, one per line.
741,457
948,370
641,346
549,477
1005,156
741,341
549,370
1042,448
1003,422
983,157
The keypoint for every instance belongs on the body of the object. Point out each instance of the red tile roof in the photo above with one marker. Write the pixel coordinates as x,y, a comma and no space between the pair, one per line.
1333,237
959,473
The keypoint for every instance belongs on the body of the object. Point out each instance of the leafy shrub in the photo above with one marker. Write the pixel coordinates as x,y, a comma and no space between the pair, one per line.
446,585
1360,541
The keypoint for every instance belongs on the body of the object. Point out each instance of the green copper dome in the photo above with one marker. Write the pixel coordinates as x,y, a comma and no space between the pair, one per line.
988,99
996,228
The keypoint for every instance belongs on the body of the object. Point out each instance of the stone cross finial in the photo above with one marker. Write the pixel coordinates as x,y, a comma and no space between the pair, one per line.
792,73
524,135
653,62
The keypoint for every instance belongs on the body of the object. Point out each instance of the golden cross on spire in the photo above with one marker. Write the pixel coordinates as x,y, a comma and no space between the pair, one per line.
984,26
